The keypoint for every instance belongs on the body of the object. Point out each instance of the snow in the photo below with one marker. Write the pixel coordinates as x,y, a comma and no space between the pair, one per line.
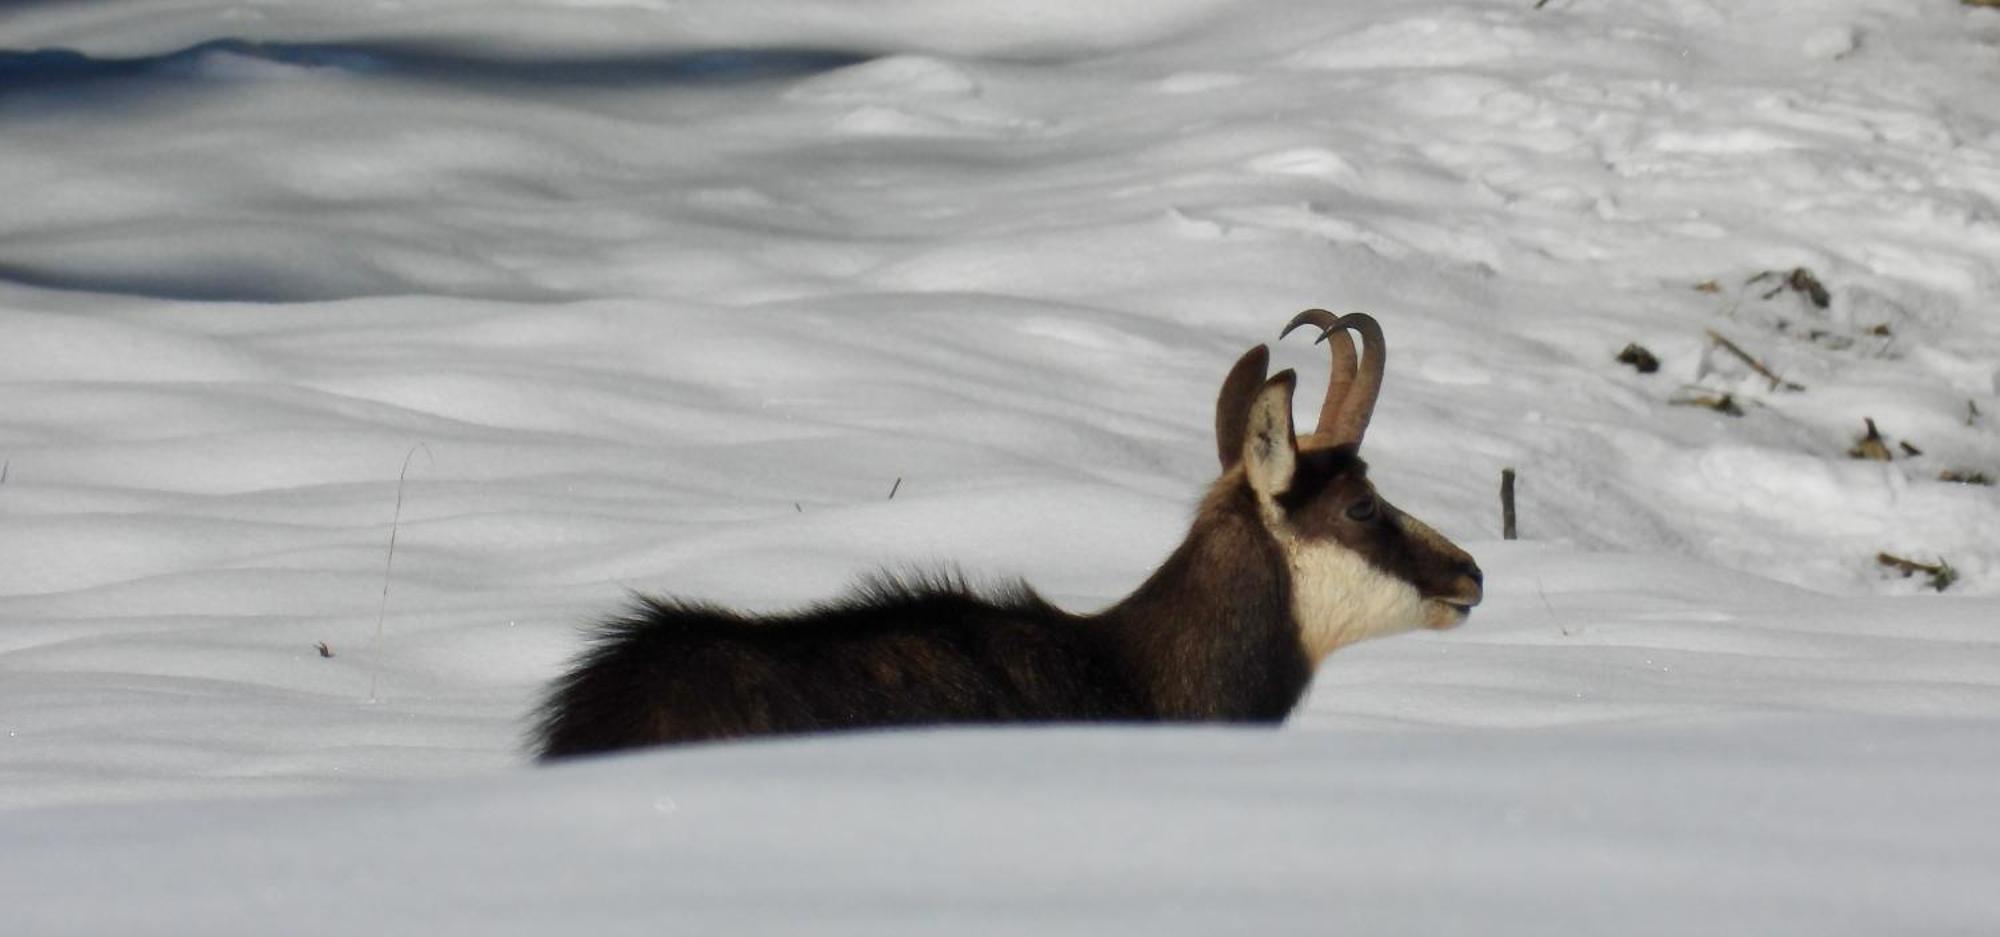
1086,831
585,298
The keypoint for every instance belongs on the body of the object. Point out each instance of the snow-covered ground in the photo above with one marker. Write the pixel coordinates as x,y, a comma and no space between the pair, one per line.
599,297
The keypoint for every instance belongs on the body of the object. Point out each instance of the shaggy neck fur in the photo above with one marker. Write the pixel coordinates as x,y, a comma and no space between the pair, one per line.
1211,635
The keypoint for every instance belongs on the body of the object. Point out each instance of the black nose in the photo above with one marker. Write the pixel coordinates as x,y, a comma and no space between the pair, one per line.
1470,597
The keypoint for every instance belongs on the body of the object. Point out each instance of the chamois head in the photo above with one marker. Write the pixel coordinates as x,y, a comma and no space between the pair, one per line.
1359,568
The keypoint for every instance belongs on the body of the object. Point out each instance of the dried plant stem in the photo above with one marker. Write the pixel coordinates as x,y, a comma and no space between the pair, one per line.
389,565
1939,574
1755,365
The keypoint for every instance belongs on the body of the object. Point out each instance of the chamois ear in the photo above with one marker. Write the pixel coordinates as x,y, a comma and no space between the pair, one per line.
1232,406
1270,448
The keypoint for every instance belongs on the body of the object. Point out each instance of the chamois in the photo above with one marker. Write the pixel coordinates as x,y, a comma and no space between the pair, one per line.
1291,556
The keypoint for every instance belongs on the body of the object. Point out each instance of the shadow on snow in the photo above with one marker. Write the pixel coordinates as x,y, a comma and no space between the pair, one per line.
55,81
65,69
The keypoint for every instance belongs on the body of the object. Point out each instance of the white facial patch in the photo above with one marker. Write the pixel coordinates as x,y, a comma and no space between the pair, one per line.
1339,598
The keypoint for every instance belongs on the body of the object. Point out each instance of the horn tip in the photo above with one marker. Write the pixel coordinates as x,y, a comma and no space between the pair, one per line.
1319,317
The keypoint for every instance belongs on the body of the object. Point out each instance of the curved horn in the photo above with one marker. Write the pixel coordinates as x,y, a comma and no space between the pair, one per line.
1350,396
1342,349
1360,402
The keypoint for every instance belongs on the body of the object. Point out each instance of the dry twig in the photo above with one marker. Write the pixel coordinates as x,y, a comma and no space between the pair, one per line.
1940,574
389,561
1755,365
1724,404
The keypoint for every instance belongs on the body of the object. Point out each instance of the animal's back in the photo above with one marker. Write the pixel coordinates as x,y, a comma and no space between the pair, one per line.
890,654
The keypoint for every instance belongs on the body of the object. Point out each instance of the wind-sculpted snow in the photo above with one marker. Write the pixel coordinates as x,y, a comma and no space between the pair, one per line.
1749,827
740,301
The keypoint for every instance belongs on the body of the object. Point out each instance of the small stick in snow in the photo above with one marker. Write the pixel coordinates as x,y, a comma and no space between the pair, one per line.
1724,404
395,527
895,487
324,649
1971,413
1507,526
9,466
1940,573
1908,449
1755,365
1965,477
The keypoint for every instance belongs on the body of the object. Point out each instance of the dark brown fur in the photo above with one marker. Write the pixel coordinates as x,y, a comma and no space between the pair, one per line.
1209,636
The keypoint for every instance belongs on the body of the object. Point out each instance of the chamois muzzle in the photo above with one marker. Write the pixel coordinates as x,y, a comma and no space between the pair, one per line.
1451,608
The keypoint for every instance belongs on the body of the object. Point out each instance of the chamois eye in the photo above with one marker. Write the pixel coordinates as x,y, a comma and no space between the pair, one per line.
1362,510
